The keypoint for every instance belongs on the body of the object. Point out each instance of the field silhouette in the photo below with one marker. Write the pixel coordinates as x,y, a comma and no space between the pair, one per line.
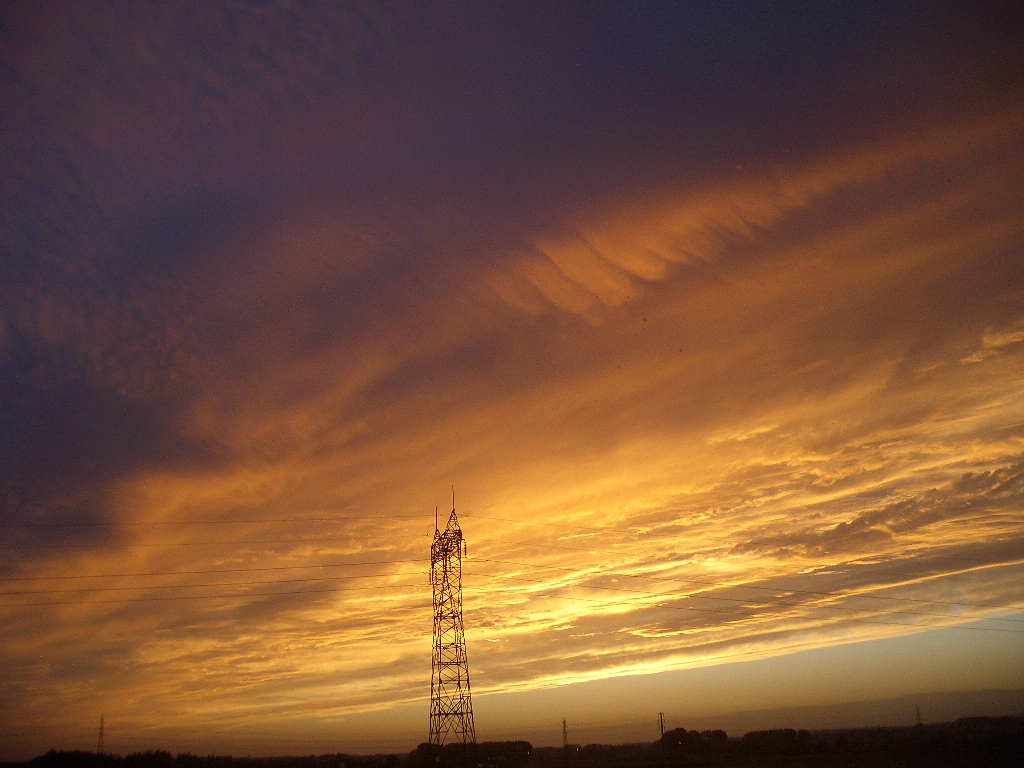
994,742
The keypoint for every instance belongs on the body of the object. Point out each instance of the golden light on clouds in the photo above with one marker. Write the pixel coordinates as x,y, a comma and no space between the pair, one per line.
696,425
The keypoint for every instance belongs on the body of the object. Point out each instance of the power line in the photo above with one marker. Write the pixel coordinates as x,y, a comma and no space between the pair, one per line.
929,555
651,595
225,596
204,584
226,542
748,615
326,519
335,590
555,525
719,585
185,523
257,569
662,595
252,569
334,518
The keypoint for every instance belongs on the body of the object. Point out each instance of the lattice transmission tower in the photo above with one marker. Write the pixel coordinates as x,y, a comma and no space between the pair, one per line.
451,709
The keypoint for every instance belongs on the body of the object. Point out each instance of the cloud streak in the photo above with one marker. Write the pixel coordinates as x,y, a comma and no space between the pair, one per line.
268,295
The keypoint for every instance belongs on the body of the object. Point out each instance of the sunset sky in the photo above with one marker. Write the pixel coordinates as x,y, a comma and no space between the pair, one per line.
711,313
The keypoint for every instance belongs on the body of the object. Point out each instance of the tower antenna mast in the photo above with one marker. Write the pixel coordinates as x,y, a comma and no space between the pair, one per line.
451,708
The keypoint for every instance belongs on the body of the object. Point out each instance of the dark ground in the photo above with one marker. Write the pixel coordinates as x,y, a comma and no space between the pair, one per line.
992,742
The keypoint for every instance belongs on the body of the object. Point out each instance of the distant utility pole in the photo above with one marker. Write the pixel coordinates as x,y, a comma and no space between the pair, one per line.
661,722
565,735
451,709
99,747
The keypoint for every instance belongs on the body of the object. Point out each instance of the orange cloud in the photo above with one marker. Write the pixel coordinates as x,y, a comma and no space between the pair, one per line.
770,433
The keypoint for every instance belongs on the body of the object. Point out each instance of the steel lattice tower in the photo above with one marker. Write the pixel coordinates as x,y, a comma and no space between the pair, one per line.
451,710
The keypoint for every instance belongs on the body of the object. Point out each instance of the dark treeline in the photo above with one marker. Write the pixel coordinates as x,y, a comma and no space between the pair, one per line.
161,759
994,742
981,741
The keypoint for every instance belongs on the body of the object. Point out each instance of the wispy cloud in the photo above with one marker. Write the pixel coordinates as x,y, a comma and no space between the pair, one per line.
723,414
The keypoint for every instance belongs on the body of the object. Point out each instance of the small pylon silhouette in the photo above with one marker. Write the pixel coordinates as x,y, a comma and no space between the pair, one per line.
451,709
